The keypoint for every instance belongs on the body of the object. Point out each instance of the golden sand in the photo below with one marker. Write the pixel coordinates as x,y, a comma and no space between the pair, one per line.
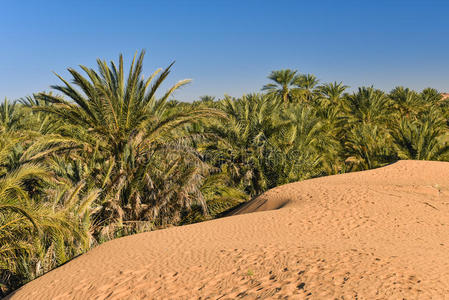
375,234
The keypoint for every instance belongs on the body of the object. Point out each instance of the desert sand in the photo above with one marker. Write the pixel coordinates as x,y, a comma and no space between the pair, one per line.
379,234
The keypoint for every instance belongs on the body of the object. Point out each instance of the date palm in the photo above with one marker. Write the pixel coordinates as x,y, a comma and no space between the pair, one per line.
367,146
296,151
421,138
329,104
408,103
431,96
284,85
37,235
330,94
306,83
42,222
368,106
244,139
139,139
9,116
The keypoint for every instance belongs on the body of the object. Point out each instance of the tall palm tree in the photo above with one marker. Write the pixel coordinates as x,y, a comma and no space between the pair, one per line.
283,85
138,138
306,83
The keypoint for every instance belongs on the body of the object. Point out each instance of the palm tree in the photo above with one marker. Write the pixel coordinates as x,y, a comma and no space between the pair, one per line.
306,84
431,96
138,138
9,116
407,102
283,85
366,142
368,105
307,81
37,121
261,146
296,151
42,223
38,235
206,98
421,138
367,146
244,138
330,107
330,94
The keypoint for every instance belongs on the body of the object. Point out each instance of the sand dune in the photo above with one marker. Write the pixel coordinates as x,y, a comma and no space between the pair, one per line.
368,235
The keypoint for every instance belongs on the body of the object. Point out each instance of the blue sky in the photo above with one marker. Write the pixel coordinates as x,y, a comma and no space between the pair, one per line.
228,46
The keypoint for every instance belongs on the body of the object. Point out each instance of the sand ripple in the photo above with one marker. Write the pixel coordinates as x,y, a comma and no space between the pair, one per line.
379,234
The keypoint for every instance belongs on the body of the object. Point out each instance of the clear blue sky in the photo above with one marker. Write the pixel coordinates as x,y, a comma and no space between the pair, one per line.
229,46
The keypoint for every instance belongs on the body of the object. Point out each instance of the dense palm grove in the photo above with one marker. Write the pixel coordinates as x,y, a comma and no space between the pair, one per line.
101,156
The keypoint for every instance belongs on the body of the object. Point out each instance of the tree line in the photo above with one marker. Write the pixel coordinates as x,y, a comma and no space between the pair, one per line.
102,156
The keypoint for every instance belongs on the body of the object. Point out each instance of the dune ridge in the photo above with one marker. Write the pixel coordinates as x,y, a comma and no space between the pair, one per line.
374,234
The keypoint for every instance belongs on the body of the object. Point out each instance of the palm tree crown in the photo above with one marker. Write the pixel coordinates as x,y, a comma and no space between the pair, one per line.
283,84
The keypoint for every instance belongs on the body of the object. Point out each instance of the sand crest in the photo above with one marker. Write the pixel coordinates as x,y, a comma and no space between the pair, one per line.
375,234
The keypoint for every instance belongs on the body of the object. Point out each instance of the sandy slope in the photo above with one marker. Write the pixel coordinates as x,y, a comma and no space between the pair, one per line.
368,235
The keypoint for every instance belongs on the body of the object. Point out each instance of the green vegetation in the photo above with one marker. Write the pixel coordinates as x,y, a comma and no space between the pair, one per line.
103,155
